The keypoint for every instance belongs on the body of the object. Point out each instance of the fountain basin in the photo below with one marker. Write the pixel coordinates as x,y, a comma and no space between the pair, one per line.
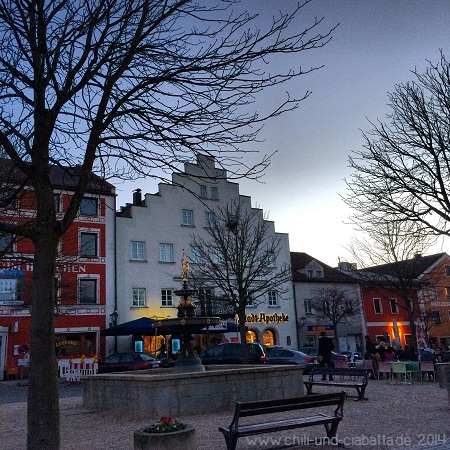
139,394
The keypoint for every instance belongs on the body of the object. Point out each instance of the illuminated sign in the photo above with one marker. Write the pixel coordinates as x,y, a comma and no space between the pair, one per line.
319,328
267,318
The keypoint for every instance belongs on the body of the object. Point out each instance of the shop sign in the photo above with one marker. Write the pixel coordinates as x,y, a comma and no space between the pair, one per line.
267,318
64,343
319,328
440,304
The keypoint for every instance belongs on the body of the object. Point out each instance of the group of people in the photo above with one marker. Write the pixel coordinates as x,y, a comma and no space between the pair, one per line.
381,351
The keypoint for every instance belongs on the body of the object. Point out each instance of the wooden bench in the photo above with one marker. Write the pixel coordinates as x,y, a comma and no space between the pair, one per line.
356,378
276,423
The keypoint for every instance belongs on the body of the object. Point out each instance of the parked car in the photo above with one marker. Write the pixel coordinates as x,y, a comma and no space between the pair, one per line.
231,353
291,357
313,351
121,362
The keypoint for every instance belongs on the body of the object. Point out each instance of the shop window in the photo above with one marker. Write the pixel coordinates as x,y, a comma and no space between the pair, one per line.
251,336
268,337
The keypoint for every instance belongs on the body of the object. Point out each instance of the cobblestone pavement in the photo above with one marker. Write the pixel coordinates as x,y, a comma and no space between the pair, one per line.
397,417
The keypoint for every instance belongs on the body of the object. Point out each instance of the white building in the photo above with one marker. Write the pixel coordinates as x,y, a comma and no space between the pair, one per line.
311,276
153,233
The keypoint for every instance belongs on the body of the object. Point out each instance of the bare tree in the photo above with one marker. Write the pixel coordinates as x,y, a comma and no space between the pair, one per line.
403,171
389,258
336,305
125,89
239,258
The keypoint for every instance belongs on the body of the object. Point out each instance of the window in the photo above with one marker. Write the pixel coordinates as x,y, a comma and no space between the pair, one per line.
447,291
319,274
165,252
249,299
8,199
195,255
308,306
394,305
377,306
272,298
87,291
310,273
166,297
187,217
57,201
88,206
217,256
138,251
139,296
214,193
349,306
209,219
88,245
6,242
203,191
447,270
436,315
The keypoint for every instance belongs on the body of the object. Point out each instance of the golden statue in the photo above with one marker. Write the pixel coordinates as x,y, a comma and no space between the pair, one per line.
185,266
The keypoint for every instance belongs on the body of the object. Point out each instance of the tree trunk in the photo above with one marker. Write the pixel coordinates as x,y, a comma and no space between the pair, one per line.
243,335
43,398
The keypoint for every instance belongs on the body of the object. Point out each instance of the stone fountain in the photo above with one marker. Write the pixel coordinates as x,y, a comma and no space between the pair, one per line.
169,392
185,325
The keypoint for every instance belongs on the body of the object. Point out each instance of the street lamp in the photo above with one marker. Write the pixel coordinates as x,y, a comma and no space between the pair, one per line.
113,319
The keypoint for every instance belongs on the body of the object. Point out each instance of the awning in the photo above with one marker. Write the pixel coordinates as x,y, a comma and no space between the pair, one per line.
144,326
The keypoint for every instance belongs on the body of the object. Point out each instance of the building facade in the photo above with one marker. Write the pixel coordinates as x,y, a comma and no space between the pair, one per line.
313,279
153,234
84,279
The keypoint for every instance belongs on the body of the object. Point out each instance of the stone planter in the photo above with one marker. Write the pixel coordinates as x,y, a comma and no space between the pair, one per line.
184,439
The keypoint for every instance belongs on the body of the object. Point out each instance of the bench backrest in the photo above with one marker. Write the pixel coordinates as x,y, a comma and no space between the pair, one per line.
363,373
261,407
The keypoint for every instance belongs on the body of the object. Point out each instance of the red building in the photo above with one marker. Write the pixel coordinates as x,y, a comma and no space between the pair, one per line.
84,277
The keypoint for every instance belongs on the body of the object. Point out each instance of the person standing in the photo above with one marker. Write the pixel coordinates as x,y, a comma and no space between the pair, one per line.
326,346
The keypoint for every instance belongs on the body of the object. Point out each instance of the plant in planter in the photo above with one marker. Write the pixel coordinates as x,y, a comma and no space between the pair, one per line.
165,425
164,434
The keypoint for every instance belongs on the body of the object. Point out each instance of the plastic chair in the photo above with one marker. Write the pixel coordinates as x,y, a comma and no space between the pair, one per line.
414,368
399,368
341,364
384,368
427,367
368,364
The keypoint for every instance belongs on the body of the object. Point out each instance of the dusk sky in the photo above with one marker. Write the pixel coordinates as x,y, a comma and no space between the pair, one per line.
376,45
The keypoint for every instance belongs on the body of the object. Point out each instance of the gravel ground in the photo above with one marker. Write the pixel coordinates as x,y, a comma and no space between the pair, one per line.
395,416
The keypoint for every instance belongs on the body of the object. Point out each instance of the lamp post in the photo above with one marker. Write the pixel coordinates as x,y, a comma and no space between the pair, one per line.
301,323
113,322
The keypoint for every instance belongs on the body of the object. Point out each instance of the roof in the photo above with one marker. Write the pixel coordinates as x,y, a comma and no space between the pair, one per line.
62,177
299,262
411,268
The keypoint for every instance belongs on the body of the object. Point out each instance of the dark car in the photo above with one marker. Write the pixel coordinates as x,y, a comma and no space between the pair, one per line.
291,357
121,362
313,351
231,353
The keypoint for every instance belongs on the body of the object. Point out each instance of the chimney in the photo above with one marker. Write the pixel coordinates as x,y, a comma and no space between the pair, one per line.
137,197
